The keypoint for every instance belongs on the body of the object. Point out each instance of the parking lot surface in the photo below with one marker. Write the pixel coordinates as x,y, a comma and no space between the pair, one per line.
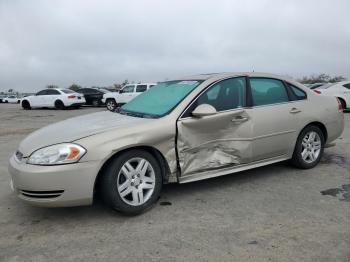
274,213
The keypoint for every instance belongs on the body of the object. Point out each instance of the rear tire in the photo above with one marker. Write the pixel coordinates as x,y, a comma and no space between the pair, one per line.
309,148
59,105
132,182
26,105
111,104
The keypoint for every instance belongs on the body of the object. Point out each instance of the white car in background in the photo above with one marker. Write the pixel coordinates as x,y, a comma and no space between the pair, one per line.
125,95
340,90
54,98
11,99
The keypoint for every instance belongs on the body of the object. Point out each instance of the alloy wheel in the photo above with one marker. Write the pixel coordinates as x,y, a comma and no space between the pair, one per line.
136,181
311,147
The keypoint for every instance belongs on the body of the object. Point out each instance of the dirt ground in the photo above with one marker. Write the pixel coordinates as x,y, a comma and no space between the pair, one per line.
273,213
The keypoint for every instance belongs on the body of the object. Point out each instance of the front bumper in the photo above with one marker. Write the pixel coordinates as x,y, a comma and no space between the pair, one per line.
54,186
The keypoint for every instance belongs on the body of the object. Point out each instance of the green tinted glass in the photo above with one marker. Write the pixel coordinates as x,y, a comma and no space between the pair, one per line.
161,98
268,91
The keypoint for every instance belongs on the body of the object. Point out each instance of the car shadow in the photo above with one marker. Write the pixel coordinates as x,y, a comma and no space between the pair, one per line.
100,211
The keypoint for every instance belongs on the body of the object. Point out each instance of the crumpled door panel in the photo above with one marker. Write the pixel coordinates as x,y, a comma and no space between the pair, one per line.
213,142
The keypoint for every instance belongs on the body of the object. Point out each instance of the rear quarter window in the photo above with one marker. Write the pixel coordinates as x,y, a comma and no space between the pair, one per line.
297,92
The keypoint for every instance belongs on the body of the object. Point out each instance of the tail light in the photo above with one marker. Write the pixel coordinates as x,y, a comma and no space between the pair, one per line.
71,97
317,91
340,105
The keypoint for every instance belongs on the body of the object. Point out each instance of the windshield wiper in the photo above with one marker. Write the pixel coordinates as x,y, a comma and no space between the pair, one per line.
136,114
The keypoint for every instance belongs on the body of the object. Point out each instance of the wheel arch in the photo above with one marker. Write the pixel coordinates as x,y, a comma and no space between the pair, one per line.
155,152
320,126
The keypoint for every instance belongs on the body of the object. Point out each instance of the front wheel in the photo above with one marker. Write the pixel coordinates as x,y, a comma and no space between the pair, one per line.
26,105
132,182
309,148
111,104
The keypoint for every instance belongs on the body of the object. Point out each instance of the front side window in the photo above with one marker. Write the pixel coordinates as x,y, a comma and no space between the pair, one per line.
141,88
128,89
225,95
160,99
297,92
266,91
41,93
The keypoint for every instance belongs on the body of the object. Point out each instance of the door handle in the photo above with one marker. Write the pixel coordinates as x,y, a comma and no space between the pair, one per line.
239,119
294,110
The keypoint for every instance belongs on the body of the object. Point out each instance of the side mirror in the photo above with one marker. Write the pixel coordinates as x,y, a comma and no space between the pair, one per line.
120,91
204,110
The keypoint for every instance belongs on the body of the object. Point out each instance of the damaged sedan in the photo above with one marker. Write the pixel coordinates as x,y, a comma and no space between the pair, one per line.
179,131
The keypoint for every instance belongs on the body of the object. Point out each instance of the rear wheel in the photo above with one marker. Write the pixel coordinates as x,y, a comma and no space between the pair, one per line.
111,104
132,182
309,148
59,105
26,105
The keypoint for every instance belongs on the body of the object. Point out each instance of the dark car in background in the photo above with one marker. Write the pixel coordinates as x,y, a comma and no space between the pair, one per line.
93,96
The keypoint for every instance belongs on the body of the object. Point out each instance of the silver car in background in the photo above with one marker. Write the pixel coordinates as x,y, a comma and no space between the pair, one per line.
180,131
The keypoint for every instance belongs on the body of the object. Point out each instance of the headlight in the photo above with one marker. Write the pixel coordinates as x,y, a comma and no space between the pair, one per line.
57,154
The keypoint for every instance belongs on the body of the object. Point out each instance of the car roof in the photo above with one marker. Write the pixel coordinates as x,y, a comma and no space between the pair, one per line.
216,76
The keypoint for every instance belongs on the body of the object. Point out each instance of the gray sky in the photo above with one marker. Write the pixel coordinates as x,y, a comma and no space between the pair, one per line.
104,42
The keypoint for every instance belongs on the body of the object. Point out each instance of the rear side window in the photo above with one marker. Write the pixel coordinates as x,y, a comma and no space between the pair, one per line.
141,88
67,91
266,91
52,92
297,92
347,86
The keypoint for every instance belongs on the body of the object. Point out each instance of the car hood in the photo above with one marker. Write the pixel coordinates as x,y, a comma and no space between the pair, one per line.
76,128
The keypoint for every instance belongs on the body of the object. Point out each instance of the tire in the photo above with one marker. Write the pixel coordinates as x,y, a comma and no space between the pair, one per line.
59,105
111,104
26,105
124,194
308,152
95,102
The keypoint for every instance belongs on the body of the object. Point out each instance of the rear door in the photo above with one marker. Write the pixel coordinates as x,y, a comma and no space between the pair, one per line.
218,141
51,96
275,118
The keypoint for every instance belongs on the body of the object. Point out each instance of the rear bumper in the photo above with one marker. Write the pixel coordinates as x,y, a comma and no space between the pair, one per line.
54,186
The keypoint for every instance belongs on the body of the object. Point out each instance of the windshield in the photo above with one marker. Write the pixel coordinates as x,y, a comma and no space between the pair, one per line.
160,99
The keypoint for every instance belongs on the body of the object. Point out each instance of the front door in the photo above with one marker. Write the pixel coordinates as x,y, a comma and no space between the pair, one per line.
217,141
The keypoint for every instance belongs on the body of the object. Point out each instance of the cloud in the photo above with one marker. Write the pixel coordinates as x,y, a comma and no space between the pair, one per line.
104,42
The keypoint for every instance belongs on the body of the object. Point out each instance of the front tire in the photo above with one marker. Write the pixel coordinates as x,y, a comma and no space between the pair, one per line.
132,182
26,105
111,104
309,148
